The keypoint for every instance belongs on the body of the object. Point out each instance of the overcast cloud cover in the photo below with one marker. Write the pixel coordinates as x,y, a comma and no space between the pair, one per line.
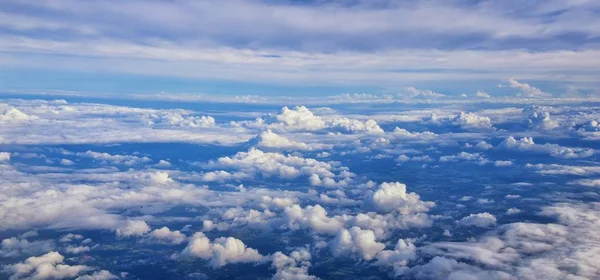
299,140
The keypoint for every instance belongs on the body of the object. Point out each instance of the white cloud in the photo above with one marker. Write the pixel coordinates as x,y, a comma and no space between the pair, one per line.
178,119
539,118
14,115
284,166
221,251
115,159
270,139
165,235
48,266
464,156
77,249
398,258
503,163
356,242
513,211
527,144
301,118
527,90
479,220
133,228
18,246
292,267
4,156
390,197
471,121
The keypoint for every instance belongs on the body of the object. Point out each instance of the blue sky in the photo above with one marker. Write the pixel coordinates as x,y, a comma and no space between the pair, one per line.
298,47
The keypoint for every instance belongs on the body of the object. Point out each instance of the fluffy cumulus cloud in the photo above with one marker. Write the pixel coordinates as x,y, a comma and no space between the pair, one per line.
356,242
478,220
538,117
301,118
555,150
392,196
133,228
524,250
467,121
270,164
19,246
270,139
221,251
166,236
49,266
471,121
527,90
14,115
178,119
293,266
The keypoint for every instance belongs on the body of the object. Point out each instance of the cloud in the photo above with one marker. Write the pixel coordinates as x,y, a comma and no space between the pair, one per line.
478,220
270,164
539,118
48,266
527,90
270,139
133,228
178,119
292,267
523,250
14,115
471,121
527,144
301,118
558,169
220,251
356,242
403,252
165,235
4,156
391,197
464,156
19,246
114,159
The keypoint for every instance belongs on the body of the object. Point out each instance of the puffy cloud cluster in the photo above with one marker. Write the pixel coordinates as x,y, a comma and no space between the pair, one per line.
528,90
114,159
356,242
14,115
478,220
133,228
412,92
50,266
527,144
467,121
292,267
166,236
539,118
270,139
178,119
301,118
558,169
471,121
18,246
464,156
270,164
403,252
221,251
392,196
563,250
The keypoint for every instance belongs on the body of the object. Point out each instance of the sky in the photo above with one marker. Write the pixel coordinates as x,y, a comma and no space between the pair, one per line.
299,140
297,47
